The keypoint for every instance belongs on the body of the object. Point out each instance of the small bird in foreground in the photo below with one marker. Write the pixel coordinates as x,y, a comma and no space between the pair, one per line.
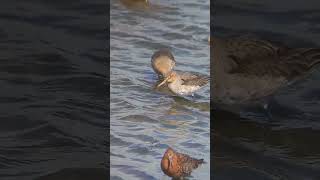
178,165
184,83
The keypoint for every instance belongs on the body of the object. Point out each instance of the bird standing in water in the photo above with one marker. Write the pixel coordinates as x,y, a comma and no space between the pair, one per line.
179,82
178,165
184,84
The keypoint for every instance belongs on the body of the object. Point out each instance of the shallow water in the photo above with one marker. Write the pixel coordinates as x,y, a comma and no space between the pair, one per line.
144,121
53,93
286,147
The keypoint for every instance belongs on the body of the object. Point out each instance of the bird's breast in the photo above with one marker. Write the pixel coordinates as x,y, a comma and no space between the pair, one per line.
235,88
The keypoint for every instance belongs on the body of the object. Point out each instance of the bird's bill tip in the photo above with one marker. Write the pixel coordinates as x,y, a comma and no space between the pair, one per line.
170,160
164,81
159,85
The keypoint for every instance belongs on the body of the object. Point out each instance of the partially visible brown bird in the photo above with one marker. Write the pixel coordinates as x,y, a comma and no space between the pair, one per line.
246,70
178,165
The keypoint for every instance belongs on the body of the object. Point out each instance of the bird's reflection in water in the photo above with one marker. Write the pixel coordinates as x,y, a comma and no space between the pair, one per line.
190,103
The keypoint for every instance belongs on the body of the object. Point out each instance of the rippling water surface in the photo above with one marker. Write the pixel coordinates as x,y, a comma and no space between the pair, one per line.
249,146
53,94
144,121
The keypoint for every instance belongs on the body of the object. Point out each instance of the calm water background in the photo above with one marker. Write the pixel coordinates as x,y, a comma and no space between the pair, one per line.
249,146
53,98
144,122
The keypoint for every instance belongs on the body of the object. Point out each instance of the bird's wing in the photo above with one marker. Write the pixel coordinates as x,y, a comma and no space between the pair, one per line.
189,161
188,164
200,80
244,48
187,75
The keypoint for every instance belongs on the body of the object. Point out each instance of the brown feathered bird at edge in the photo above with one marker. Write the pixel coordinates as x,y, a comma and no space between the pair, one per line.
178,165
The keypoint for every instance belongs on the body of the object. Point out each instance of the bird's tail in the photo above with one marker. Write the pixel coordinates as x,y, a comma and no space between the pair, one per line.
302,61
312,57
201,161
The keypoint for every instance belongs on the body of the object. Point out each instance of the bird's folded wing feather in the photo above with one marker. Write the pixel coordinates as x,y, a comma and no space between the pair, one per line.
187,75
200,80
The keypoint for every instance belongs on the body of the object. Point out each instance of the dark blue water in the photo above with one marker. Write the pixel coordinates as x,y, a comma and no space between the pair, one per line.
53,98
286,147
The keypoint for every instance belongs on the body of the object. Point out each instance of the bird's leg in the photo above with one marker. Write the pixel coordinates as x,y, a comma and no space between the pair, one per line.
192,96
267,111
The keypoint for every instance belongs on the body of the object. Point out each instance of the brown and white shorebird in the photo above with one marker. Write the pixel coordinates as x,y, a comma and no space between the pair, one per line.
245,70
178,165
184,83
179,82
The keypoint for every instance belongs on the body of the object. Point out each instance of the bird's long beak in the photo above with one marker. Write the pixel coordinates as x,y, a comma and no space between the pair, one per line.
164,81
170,161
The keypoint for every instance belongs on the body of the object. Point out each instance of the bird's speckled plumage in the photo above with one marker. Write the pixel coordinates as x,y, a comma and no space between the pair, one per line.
247,69
178,165
184,83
